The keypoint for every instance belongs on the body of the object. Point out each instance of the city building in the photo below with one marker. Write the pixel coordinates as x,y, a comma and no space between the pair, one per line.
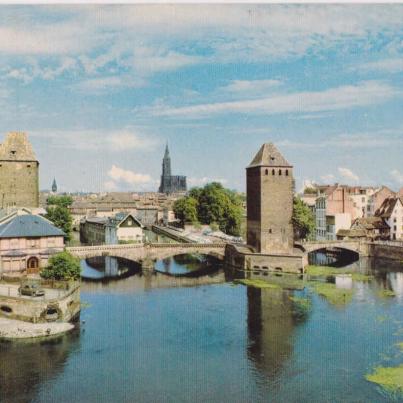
368,228
333,211
391,211
27,241
19,172
122,227
170,183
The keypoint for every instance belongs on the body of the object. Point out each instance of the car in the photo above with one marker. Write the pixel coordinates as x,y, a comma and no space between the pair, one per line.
31,289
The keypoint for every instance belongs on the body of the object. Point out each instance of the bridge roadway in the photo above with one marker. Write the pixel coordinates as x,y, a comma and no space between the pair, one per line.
147,253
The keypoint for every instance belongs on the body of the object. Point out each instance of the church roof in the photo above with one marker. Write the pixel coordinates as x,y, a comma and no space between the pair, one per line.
16,147
268,155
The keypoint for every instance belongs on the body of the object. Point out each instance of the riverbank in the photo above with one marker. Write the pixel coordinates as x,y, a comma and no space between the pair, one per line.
17,329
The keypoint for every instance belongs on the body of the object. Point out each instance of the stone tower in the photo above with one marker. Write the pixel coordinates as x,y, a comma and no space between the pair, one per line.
269,188
19,172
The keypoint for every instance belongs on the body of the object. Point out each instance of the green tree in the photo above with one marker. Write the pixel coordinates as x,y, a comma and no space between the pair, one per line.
214,205
63,201
62,266
303,220
185,209
61,218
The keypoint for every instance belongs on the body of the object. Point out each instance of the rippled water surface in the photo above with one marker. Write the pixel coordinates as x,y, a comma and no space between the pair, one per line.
167,338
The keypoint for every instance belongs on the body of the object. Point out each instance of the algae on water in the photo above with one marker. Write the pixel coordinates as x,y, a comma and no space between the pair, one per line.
336,296
390,378
256,283
386,293
301,306
324,271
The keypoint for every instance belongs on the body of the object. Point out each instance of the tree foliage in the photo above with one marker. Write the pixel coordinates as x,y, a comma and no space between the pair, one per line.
61,218
303,220
213,204
185,209
62,266
62,201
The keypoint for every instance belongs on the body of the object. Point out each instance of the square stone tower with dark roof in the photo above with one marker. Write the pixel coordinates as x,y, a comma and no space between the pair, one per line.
19,172
269,188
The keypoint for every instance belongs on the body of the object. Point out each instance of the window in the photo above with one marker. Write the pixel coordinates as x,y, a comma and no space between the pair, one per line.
286,172
266,172
279,172
273,172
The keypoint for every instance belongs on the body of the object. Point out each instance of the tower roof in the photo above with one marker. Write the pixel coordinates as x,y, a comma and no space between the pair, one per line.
268,155
16,147
166,155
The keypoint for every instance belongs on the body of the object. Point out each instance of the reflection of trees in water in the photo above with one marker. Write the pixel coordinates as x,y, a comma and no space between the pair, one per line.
25,365
189,265
271,324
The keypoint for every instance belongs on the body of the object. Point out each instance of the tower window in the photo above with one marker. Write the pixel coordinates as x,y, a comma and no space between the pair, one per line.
273,172
279,172
266,172
286,172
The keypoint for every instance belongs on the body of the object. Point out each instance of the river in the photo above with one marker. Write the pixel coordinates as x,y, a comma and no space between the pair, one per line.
168,337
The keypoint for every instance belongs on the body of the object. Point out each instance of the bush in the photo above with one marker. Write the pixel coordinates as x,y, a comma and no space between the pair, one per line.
63,266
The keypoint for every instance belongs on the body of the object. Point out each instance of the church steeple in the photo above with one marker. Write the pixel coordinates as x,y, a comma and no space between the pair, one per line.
166,163
54,186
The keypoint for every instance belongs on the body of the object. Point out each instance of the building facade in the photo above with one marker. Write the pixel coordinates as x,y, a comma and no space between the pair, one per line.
170,183
111,230
391,211
19,172
27,241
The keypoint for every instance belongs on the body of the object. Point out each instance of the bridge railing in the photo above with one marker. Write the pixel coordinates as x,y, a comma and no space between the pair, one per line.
187,245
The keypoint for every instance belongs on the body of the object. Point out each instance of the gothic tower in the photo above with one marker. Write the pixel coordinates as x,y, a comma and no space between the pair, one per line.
54,186
269,188
19,172
170,183
166,163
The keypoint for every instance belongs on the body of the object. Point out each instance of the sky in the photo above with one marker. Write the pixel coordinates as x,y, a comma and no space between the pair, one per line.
100,89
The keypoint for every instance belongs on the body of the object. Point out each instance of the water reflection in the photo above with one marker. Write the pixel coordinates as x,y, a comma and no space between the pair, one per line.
106,267
271,324
191,265
334,258
26,365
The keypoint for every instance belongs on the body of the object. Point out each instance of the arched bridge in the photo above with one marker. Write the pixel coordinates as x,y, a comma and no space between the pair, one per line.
359,247
148,253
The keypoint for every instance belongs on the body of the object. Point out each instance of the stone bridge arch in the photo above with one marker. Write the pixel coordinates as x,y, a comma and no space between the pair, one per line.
148,252
351,246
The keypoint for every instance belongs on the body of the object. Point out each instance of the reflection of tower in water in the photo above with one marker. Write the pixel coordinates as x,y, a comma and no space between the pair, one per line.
270,329
111,266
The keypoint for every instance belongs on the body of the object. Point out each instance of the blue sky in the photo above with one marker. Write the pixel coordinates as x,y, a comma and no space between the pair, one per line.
100,89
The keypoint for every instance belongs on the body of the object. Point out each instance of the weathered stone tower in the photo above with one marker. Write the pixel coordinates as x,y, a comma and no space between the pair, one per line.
269,188
19,172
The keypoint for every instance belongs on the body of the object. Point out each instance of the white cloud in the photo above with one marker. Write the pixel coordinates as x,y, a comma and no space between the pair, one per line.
397,176
129,177
343,97
117,141
386,65
102,84
241,86
348,174
192,182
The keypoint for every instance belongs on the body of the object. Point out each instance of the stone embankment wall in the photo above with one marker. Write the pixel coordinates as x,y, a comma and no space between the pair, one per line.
243,259
64,308
386,251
